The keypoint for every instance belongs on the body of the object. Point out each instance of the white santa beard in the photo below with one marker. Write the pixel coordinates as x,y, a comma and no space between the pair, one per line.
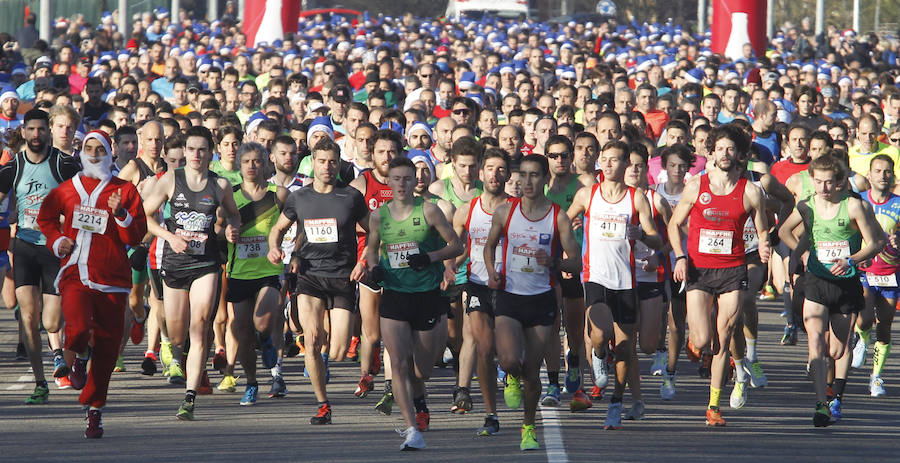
101,170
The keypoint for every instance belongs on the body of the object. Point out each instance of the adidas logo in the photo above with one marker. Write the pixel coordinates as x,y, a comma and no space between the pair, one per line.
180,197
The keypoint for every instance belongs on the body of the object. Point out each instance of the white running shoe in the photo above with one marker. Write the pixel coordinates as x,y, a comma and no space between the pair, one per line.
755,371
601,372
412,439
859,353
876,386
739,394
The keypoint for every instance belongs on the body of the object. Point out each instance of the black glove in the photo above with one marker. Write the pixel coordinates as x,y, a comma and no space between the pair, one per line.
138,257
377,274
419,262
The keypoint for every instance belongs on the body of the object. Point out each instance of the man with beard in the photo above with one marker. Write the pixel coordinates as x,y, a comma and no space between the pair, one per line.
28,178
715,270
93,279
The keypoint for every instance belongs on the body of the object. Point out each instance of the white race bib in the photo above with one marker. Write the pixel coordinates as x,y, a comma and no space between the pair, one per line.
476,254
523,260
398,253
716,242
196,241
889,281
250,247
609,227
89,219
751,239
828,251
321,230
30,219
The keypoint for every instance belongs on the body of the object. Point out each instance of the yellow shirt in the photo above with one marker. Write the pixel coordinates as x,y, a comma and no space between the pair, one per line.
860,162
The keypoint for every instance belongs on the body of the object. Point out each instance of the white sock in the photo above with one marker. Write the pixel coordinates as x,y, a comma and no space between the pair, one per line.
176,361
164,338
740,375
96,408
751,350
276,370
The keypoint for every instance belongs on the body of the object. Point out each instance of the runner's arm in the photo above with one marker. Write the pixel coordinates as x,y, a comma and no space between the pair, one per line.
680,216
276,236
154,201
498,221
579,202
434,216
459,226
872,233
229,211
373,240
785,232
757,204
651,235
572,262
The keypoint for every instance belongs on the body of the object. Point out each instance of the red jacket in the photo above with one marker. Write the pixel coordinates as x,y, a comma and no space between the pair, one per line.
99,260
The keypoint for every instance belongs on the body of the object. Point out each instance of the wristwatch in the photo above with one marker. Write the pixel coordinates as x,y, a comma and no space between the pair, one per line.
850,262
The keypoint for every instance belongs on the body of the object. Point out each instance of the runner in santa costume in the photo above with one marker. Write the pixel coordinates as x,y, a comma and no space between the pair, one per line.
102,215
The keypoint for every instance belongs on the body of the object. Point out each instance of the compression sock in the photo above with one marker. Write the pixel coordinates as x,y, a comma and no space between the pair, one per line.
714,394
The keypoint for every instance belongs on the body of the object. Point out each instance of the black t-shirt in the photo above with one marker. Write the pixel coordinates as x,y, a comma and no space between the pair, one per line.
328,225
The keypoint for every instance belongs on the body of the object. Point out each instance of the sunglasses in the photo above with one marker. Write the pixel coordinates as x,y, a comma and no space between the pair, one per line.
561,154
461,111
894,140
425,76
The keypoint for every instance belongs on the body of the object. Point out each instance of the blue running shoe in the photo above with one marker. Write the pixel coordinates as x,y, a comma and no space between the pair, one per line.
573,373
269,353
250,395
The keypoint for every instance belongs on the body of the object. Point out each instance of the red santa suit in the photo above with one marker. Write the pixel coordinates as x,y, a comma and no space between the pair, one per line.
95,278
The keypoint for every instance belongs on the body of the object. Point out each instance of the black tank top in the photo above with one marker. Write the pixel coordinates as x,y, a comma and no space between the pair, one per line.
143,169
193,217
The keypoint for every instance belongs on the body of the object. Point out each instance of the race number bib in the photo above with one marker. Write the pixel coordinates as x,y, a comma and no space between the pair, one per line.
889,281
476,254
196,241
610,227
29,217
751,239
828,251
250,247
321,230
717,242
89,219
398,253
523,260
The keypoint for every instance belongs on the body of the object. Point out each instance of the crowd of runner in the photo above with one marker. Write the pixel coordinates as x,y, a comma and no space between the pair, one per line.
408,192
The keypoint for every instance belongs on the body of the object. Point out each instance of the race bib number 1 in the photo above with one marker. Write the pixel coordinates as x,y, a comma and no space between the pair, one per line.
717,242
89,219
321,230
398,253
523,260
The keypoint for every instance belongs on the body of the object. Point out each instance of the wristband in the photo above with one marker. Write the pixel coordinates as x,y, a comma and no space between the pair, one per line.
680,257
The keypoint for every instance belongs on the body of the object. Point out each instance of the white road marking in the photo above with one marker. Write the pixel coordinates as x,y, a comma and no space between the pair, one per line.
553,441
15,387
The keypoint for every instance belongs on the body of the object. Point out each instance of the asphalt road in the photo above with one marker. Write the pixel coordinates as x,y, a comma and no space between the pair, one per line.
139,421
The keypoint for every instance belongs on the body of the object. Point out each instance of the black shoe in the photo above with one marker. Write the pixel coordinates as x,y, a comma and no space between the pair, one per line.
21,354
148,366
323,415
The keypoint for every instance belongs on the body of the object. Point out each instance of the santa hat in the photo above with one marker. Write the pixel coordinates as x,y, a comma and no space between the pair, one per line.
102,137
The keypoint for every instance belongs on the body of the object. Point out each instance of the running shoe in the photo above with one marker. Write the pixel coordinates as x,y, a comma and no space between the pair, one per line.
120,365
876,386
551,398
148,365
596,394
580,401
423,419
462,401
636,412
40,396
529,438
447,358
185,411
859,352
767,293
205,387
269,354
790,336
250,395
298,341
573,373
738,395
835,408
228,384
63,383
601,372
822,417
353,349
219,361
365,386
714,417
829,392
705,364
165,354
323,415
78,373
660,359
278,389
756,373
94,428
512,393
176,374
21,353
291,349
412,439
613,416
693,354
501,376
137,332
376,360
667,389
60,369
386,404
491,426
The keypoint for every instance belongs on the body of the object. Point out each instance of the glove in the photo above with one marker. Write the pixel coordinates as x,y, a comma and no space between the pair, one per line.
138,257
419,262
377,274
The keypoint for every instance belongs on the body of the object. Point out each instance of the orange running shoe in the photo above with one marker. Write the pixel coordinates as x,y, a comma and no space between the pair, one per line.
205,387
353,350
693,354
714,417
422,421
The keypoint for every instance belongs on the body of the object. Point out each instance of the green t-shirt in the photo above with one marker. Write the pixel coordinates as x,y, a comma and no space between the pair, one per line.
401,239
248,258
